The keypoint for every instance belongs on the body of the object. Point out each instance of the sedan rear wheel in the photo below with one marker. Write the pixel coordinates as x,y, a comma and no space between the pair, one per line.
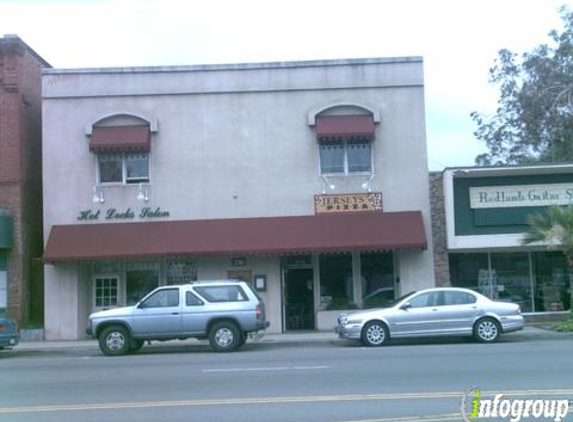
487,330
374,334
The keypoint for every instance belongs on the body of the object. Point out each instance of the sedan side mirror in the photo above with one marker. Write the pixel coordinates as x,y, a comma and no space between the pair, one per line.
406,306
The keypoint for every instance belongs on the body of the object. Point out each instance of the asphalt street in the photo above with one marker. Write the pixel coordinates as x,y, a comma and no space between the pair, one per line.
331,381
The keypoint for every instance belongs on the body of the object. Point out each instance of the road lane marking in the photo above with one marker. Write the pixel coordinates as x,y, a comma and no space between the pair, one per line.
268,368
429,418
269,400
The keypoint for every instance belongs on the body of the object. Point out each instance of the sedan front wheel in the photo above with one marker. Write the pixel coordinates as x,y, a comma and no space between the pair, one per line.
375,334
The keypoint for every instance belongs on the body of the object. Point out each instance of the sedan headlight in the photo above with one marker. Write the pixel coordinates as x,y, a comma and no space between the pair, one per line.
345,319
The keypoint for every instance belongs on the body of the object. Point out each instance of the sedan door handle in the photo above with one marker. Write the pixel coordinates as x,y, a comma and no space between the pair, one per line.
174,313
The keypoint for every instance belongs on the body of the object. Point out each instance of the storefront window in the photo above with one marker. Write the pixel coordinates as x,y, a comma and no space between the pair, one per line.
141,278
377,270
181,272
537,281
469,270
551,282
511,279
336,280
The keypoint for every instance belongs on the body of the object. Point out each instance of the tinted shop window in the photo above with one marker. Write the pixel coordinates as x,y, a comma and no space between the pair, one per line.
551,282
510,279
377,270
181,271
336,279
468,269
140,280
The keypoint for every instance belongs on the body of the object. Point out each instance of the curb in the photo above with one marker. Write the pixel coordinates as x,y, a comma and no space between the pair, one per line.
270,339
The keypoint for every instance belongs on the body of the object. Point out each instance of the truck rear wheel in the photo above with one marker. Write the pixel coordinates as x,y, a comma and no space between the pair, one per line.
225,336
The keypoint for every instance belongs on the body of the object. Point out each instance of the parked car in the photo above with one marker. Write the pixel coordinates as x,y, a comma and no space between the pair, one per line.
9,334
433,312
224,312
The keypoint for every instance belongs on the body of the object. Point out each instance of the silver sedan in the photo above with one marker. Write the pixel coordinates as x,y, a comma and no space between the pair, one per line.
433,312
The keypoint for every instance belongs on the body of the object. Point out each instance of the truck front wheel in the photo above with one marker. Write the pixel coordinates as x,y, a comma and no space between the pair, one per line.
114,341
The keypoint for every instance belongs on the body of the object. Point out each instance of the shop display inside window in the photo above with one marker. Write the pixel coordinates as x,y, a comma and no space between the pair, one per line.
181,272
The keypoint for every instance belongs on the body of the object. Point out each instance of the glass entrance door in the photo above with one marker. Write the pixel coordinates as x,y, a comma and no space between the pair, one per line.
299,299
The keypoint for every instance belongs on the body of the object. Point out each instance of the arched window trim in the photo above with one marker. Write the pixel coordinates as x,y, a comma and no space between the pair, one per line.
152,122
313,114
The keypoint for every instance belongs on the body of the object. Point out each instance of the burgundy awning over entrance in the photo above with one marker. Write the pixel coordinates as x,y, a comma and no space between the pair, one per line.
333,127
120,138
272,235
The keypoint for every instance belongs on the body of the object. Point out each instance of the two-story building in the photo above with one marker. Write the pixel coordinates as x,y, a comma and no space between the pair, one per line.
307,179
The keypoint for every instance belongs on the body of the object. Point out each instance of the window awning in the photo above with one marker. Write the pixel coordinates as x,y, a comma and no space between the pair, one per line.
335,127
120,138
369,231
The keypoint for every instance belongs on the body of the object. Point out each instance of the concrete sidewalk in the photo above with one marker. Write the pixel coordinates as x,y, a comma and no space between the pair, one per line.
540,331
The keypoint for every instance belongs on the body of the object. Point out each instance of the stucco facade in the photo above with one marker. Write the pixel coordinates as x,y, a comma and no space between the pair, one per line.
228,142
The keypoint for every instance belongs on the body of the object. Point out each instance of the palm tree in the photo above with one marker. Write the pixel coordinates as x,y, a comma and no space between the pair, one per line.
554,229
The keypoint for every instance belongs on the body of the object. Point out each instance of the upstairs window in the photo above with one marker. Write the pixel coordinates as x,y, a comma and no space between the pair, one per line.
122,167
122,153
345,143
345,157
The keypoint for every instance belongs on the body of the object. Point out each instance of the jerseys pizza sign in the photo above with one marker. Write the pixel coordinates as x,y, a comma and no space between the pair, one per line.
352,202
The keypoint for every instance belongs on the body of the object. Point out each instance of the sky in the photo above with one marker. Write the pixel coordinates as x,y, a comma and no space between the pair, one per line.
458,40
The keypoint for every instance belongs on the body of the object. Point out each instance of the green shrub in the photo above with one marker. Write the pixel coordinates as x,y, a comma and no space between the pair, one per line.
376,302
340,303
565,326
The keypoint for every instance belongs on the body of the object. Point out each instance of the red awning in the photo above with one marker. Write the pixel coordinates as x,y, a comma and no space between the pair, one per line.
370,231
333,127
120,138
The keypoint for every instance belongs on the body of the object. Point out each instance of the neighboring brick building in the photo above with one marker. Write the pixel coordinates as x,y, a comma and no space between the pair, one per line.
21,274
